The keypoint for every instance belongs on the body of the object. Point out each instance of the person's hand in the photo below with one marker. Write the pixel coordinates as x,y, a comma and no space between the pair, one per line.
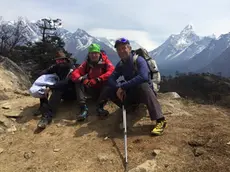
86,82
47,90
120,93
92,82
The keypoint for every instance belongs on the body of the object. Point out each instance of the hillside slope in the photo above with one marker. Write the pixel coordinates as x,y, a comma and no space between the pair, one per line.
12,79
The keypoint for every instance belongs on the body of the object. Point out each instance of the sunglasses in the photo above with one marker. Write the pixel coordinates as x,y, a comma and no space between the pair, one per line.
121,40
58,61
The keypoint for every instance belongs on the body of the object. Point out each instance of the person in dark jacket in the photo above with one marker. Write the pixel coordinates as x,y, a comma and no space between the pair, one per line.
91,77
63,67
137,87
55,68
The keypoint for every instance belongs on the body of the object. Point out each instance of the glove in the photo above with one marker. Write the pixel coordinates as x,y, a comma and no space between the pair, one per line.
92,82
86,82
47,90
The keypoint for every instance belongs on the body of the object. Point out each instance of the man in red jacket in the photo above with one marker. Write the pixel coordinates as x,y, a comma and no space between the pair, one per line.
90,77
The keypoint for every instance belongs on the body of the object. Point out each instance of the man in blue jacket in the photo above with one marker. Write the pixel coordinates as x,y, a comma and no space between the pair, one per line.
137,87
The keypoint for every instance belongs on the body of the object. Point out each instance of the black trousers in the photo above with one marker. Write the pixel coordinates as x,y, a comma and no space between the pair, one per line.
136,95
94,92
66,93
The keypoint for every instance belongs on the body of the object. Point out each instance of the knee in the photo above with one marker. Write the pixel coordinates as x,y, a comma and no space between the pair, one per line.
144,87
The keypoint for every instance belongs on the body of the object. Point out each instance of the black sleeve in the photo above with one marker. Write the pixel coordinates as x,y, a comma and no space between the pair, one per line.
52,69
61,84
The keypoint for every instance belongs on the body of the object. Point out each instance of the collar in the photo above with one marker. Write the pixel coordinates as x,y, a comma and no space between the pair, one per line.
100,61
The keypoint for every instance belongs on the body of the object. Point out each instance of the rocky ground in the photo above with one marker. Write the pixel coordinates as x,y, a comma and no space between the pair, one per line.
197,139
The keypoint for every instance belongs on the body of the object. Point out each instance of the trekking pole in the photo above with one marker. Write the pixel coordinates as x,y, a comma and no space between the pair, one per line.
125,134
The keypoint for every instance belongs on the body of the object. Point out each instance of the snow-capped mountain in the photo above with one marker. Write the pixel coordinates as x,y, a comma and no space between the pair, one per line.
220,65
179,47
107,41
213,51
111,43
75,43
174,53
184,52
78,42
30,29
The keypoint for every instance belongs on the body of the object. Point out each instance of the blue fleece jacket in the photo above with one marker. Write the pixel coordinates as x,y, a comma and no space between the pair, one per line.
132,78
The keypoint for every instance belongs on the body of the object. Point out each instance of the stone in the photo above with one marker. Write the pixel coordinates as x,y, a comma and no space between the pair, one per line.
199,151
197,142
172,95
5,122
24,93
103,158
11,129
59,125
156,152
27,155
56,150
13,113
147,166
6,106
106,138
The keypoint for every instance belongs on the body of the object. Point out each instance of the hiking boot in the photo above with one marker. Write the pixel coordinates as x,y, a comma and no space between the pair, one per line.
101,112
45,120
84,113
159,128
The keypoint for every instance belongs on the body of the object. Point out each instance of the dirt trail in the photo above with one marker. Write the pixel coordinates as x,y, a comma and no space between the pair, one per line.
195,140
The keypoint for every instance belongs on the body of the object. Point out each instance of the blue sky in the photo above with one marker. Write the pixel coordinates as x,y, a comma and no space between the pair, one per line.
149,22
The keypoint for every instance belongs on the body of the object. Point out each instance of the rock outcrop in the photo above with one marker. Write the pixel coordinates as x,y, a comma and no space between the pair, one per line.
12,79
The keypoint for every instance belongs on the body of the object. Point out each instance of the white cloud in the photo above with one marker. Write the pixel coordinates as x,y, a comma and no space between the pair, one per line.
154,20
142,37
217,27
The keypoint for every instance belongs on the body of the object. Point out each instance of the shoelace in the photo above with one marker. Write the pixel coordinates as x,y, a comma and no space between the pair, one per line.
159,125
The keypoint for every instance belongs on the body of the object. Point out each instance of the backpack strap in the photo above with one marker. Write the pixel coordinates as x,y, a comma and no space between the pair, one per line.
135,61
135,56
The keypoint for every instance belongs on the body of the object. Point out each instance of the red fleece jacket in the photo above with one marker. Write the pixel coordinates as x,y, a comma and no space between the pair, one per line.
103,69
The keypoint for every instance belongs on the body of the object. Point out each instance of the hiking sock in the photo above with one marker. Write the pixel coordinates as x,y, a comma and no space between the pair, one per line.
160,119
